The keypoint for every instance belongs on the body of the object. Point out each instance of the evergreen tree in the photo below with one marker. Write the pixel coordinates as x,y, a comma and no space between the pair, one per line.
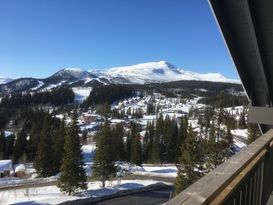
84,137
181,136
9,146
103,164
73,175
154,153
188,163
147,143
150,109
159,133
228,138
242,121
2,145
214,149
118,142
59,146
20,146
136,151
43,162
253,132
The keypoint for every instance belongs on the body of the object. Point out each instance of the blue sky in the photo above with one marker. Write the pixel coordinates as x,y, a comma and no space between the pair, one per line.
39,37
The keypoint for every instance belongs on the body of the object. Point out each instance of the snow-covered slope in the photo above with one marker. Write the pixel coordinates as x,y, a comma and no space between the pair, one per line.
4,80
152,72
161,71
76,73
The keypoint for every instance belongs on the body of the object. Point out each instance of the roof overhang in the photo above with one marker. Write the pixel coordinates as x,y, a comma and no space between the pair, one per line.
247,27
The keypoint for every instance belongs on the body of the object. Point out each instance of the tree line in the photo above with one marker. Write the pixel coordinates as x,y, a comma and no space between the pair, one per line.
108,94
57,97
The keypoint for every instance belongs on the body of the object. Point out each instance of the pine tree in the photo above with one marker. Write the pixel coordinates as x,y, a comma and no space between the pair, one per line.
188,163
128,146
2,145
73,177
242,121
43,162
228,138
20,146
118,142
59,146
159,133
214,149
84,137
103,164
9,146
136,151
181,136
154,154
253,132
147,143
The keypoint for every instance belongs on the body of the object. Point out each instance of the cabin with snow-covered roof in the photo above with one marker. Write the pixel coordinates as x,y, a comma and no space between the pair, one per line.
5,167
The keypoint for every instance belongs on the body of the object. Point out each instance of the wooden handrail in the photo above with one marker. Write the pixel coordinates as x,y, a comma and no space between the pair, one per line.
217,185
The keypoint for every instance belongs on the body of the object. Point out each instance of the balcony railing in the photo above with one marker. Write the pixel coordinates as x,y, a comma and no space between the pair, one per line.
246,178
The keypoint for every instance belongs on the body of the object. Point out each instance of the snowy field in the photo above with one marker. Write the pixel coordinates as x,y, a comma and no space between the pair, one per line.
88,152
52,195
240,138
81,93
159,171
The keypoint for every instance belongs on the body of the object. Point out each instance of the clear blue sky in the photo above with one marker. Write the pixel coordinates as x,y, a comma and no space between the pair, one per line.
39,37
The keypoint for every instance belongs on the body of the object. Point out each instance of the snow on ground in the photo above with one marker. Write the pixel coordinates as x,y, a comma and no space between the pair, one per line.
51,86
8,133
52,195
81,93
238,144
160,171
239,139
11,181
169,171
240,133
88,152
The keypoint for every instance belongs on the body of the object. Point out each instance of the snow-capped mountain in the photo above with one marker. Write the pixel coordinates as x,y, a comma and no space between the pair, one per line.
161,71
69,75
152,72
4,80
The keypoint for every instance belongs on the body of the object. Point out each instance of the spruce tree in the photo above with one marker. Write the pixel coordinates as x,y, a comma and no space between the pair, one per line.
147,143
154,152
73,177
188,163
215,149
84,137
118,142
242,121
181,136
136,151
228,138
9,146
59,146
43,162
103,164
20,146
2,145
253,132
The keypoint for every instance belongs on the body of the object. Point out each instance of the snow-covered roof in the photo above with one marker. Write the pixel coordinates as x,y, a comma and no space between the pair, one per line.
20,167
5,165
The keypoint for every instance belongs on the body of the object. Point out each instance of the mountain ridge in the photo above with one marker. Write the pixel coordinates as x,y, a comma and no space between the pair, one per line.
143,73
